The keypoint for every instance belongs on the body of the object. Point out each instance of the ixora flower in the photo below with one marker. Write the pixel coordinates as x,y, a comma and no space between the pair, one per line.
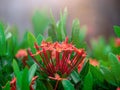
118,88
117,42
59,59
22,54
94,62
13,83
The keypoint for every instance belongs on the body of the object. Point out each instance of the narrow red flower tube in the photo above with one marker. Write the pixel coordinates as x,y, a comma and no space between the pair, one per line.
58,58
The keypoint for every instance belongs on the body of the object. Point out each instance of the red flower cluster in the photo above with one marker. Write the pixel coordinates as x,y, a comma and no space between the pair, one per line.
58,58
22,54
13,83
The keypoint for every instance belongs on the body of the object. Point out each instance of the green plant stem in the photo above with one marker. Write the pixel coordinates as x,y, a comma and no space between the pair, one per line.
56,84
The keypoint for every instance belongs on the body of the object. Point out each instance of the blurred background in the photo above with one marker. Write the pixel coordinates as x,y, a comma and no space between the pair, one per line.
98,15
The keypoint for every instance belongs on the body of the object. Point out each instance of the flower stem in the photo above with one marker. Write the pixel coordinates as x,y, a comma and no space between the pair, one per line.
56,84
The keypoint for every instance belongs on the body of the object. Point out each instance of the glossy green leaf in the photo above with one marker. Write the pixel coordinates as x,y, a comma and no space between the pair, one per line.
39,39
67,85
31,40
100,49
83,31
78,34
108,76
17,73
25,81
88,82
61,26
63,18
52,32
115,66
75,77
15,67
32,71
84,70
52,19
12,46
117,30
96,73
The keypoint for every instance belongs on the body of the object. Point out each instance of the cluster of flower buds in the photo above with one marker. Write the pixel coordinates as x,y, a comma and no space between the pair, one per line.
58,58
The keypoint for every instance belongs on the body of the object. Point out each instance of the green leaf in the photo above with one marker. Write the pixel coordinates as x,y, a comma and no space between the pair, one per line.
31,40
17,73
12,46
39,39
83,31
88,82
63,18
108,76
100,49
7,86
24,43
67,85
2,40
114,66
16,68
52,32
61,26
78,34
85,70
25,82
117,30
75,77
40,22
96,73
32,71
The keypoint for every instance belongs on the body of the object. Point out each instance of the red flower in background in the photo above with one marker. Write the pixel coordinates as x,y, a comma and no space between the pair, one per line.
94,62
117,42
118,88
118,56
13,83
22,54
58,58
